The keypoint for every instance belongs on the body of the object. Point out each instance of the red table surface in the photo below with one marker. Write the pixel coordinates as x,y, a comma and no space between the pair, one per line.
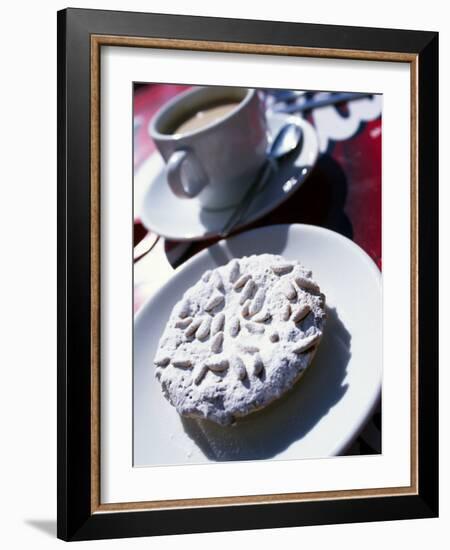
343,192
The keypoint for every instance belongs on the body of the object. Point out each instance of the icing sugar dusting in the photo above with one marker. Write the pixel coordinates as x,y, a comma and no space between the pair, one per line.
240,337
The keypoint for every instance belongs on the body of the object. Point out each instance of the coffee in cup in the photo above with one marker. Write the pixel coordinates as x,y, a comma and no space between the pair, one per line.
206,116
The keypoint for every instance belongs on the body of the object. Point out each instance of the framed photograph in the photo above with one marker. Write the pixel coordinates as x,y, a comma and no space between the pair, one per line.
247,274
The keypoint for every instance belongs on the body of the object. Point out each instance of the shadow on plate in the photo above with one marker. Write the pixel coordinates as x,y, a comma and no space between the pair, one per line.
247,245
266,433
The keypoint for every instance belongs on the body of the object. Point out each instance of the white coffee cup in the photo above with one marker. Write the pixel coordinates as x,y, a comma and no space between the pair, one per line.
214,163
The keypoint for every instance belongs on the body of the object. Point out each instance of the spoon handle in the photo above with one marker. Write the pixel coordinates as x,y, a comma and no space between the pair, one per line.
242,207
311,104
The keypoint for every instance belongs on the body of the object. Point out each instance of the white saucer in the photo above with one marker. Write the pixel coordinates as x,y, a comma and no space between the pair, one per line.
325,411
184,220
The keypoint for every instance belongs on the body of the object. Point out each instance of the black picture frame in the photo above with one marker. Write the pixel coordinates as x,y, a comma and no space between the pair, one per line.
77,518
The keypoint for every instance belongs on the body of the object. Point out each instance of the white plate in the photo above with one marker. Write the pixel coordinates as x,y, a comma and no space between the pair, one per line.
329,406
183,219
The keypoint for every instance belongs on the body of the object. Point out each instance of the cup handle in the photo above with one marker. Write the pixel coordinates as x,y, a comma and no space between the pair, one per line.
193,179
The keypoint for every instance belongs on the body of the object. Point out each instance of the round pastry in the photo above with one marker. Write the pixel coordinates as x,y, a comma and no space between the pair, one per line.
240,338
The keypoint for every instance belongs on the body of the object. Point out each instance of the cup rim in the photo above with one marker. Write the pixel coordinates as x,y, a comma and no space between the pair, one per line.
251,92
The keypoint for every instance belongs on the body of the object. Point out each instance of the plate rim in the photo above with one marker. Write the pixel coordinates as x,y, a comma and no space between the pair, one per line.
307,226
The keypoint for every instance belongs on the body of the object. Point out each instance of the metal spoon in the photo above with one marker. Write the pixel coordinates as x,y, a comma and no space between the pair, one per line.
286,140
